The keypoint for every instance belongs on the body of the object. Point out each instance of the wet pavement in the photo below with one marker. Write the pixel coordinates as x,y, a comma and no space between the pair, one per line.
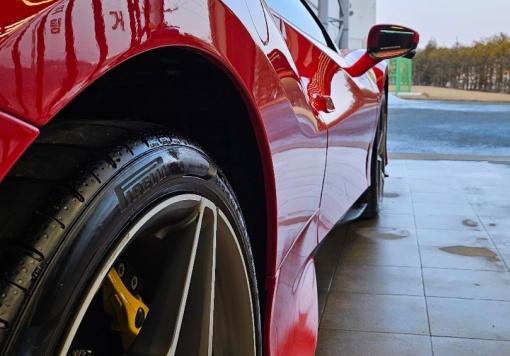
448,127
431,275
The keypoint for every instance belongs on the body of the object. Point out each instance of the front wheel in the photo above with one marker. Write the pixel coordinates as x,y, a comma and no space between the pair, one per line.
147,255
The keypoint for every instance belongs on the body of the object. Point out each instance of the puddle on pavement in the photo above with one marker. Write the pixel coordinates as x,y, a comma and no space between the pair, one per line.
386,234
470,223
391,195
471,252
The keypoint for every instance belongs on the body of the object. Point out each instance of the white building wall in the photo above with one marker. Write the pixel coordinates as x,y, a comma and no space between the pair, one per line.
333,13
362,18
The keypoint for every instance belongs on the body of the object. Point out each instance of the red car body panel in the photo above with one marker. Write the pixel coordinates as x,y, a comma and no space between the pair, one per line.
314,123
15,137
350,122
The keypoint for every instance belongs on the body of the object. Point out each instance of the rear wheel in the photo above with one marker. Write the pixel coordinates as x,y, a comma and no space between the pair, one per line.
147,255
373,196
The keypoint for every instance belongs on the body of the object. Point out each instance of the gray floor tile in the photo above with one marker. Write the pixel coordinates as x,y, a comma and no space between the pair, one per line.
442,238
465,318
446,181
427,165
443,197
504,251
331,246
483,198
501,240
498,225
443,209
473,167
397,207
377,313
355,343
380,255
381,235
325,274
485,194
328,256
462,257
448,346
461,222
378,280
396,196
483,181
452,244
402,221
501,210
323,296
429,173
427,187
467,284
400,164
397,176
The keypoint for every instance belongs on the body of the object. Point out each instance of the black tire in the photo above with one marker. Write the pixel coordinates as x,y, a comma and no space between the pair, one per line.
87,197
373,196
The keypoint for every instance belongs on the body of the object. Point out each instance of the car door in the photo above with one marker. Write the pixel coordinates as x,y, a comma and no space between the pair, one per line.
345,107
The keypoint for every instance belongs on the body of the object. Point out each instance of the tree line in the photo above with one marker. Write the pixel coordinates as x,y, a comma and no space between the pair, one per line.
484,66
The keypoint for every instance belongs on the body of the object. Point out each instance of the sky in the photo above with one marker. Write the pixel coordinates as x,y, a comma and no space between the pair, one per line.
448,21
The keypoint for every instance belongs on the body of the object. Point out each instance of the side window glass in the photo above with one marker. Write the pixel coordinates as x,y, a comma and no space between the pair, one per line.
335,21
298,14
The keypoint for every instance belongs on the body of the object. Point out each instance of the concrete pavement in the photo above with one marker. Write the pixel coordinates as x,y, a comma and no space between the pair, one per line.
431,275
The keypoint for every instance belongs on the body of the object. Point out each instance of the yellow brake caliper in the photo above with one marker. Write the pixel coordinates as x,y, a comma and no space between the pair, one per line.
127,310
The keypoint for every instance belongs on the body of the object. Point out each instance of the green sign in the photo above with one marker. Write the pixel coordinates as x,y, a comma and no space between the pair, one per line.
400,74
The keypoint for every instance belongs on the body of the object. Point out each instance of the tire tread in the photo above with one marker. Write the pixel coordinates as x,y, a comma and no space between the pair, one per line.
47,190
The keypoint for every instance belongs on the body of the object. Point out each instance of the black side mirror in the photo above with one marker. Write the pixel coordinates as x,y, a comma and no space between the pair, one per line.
384,42
390,41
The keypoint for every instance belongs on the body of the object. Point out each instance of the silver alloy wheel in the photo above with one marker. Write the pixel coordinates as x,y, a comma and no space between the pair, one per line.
201,302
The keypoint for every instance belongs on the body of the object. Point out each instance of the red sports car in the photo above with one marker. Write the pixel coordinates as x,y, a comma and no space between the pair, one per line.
168,169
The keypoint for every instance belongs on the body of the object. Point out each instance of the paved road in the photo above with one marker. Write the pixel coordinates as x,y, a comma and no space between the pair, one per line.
448,128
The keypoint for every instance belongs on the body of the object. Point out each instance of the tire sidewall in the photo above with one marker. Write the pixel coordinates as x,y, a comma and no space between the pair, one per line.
100,226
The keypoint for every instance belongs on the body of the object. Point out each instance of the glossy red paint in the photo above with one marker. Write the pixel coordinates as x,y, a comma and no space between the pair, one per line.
314,121
15,137
294,326
14,13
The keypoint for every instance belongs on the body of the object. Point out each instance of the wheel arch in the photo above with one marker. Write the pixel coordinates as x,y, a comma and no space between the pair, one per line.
193,94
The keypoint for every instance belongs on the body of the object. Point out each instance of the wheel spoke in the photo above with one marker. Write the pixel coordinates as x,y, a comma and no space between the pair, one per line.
196,333
196,282
233,306
161,332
